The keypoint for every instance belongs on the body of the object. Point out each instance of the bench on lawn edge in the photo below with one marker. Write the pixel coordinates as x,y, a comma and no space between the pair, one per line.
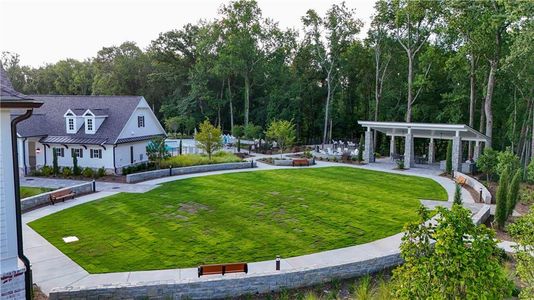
61,195
222,269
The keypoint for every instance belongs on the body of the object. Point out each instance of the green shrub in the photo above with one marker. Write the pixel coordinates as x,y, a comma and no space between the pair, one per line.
55,166
187,160
308,154
458,195
67,171
75,168
513,193
448,159
88,172
400,164
507,160
487,162
47,170
101,172
502,196
530,171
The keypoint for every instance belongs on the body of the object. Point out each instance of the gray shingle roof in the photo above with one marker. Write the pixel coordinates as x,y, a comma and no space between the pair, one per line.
49,118
11,98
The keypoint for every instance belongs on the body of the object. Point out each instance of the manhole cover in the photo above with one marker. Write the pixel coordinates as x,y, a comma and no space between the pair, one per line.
116,187
29,179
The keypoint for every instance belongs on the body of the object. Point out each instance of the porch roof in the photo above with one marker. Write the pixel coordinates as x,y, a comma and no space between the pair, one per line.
427,130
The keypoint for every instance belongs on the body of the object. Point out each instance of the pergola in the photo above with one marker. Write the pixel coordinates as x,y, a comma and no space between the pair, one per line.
455,132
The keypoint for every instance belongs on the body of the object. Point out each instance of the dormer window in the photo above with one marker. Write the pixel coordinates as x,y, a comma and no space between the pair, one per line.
70,120
90,127
90,124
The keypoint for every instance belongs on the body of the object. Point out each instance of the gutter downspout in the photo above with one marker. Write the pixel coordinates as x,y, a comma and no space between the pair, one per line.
18,210
24,156
114,166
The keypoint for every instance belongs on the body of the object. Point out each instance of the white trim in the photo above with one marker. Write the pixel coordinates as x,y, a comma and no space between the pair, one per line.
141,101
69,113
88,112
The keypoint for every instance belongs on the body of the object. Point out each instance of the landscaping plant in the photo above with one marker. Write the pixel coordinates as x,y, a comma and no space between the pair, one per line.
448,159
156,150
88,172
283,132
507,160
530,171
101,172
360,149
513,193
454,267
501,211
522,230
55,166
487,162
458,195
67,171
209,138
75,168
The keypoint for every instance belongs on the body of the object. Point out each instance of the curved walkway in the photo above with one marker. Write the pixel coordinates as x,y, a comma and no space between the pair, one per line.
52,269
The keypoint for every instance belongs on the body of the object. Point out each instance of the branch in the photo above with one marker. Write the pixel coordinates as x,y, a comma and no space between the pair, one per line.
421,87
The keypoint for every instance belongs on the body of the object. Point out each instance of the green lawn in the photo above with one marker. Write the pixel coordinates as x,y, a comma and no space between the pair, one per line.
247,216
28,191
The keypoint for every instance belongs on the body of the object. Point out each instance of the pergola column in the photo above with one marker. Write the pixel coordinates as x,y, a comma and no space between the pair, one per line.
476,152
369,152
431,151
457,152
392,147
408,150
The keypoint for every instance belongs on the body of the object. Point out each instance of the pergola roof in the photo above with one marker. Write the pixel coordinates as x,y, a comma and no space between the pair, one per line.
426,130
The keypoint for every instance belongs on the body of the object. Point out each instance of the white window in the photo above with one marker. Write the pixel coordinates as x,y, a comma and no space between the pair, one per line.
60,152
70,124
96,153
89,125
140,121
77,151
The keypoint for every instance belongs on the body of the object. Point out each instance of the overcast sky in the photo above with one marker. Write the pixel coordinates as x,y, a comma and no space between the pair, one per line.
45,31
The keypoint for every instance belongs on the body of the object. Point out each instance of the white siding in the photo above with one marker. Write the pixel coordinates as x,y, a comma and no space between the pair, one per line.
8,230
152,125
86,161
122,153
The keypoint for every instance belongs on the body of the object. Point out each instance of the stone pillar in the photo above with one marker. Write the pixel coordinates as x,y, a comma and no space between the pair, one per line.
431,151
369,152
409,159
457,153
392,148
476,152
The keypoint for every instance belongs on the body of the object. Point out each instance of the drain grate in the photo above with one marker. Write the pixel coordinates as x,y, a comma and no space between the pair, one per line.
29,179
116,187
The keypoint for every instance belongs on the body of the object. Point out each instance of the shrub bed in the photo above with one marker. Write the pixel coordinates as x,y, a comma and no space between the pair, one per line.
187,160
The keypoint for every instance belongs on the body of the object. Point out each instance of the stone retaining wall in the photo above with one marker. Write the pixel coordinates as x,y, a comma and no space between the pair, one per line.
231,286
44,198
142,176
476,185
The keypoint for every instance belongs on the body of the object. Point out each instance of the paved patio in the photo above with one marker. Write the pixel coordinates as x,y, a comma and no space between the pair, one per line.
51,268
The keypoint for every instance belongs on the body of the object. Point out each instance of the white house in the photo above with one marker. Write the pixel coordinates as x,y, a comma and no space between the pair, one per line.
14,265
102,131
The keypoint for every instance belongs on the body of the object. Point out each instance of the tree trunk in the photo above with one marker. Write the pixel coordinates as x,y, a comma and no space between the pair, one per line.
327,108
247,99
231,108
487,102
532,141
472,100
378,90
410,83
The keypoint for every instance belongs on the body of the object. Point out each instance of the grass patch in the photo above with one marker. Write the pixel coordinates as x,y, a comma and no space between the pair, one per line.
27,191
187,160
245,216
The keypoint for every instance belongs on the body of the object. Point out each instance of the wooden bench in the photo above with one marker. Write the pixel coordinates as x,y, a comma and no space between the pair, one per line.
461,180
61,195
301,162
222,269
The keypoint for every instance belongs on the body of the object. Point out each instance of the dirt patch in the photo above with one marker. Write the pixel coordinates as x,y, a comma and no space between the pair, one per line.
192,207
38,294
274,193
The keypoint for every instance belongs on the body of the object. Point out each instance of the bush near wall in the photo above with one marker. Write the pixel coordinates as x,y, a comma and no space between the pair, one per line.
188,160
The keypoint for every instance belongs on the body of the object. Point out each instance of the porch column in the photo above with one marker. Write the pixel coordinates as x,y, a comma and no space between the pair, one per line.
457,152
369,152
431,151
476,152
408,150
392,148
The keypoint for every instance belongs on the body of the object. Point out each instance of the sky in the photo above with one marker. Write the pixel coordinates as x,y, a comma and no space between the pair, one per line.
46,31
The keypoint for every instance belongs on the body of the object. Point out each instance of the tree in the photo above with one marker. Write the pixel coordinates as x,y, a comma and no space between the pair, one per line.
209,138
412,22
513,193
501,213
458,194
252,131
487,162
156,150
523,233
238,132
507,160
462,263
283,132
448,159
341,28
360,149
75,168
55,166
